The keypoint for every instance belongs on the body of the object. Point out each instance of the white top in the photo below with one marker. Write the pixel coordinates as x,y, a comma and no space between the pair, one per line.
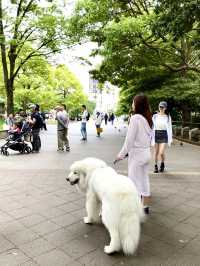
162,122
139,135
84,116
98,120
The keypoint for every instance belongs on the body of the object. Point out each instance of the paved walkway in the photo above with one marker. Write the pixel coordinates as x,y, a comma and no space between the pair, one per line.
41,215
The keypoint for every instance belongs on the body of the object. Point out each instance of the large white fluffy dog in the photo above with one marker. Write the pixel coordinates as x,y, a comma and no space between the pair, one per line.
114,197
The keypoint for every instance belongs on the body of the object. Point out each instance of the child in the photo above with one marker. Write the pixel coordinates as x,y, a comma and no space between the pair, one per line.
15,131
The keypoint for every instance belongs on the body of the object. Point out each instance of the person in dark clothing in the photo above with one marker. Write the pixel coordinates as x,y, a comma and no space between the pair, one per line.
35,121
112,118
44,122
106,118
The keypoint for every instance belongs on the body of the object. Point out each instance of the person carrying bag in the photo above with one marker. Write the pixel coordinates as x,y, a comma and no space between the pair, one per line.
98,122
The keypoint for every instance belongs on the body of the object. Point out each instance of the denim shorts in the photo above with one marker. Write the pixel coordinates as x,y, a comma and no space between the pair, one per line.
161,136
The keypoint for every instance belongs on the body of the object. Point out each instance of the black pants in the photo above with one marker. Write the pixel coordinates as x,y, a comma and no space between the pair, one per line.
36,143
45,125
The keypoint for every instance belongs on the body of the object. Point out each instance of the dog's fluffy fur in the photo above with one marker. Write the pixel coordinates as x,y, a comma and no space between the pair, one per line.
114,197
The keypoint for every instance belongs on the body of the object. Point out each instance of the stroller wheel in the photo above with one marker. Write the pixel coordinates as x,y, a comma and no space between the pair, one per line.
28,149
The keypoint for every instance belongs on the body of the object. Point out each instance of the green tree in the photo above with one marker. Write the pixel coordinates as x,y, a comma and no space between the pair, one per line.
136,56
178,17
65,82
32,82
27,30
67,88
48,86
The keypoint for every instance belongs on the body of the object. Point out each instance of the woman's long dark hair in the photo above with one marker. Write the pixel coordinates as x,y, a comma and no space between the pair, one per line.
167,112
142,107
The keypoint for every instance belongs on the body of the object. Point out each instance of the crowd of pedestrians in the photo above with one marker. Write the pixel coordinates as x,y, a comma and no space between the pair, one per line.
34,120
144,131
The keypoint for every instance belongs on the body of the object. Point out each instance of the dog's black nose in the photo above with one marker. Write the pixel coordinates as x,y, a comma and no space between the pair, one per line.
67,179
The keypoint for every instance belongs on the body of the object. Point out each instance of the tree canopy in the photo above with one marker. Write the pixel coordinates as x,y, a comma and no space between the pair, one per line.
48,86
27,29
141,49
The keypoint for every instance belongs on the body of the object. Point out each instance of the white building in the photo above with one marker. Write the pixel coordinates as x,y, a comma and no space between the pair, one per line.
106,98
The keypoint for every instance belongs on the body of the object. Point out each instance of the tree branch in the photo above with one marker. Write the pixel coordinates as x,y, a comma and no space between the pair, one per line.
33,54
134,12
17,23
3,47
27,30
143,6
20,45
181,68
146,7
20,18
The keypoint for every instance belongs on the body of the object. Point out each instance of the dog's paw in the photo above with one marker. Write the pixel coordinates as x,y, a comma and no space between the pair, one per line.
109,250
87,220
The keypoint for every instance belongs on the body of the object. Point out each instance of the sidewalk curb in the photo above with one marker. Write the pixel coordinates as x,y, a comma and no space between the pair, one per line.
187,141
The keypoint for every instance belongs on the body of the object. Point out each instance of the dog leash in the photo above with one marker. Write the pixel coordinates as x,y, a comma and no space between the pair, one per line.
117,160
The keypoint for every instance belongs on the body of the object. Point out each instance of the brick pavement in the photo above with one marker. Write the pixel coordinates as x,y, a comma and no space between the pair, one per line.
41,215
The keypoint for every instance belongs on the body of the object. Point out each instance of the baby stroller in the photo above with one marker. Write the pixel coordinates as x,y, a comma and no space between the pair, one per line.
17,141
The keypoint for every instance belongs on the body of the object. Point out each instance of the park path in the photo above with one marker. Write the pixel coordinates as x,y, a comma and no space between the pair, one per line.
41,215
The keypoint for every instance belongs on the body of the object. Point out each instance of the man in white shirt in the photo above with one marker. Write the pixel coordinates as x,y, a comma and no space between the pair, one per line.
84,119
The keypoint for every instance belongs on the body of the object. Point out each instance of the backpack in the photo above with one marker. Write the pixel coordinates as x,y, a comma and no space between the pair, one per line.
88,116
40,121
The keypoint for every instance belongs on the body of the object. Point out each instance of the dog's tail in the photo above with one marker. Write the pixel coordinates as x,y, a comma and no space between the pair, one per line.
129,233
129,227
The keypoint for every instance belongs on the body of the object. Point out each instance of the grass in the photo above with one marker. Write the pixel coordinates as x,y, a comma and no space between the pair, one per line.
1,124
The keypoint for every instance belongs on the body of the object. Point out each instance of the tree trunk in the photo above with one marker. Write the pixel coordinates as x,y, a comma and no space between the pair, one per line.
10,97
186,114
3,51
10,83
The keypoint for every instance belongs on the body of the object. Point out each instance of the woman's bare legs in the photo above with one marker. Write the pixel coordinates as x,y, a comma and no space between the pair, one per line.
162,156
162,151
156,157
146,201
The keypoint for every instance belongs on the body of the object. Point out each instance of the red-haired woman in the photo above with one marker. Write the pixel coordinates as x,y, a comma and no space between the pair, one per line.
137,146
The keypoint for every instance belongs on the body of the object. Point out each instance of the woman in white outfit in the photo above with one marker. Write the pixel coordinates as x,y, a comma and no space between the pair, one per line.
162,126
137,146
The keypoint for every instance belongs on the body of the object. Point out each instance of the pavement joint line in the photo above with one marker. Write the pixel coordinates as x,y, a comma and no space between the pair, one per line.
34,182
168,173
